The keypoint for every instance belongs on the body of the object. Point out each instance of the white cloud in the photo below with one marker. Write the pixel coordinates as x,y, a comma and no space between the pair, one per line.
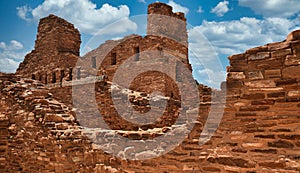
10,56
14,45
8,65
204,60
200,10
273,8
2,45
83,14
211,77
23,12
221,8
142,1
178,7
230,37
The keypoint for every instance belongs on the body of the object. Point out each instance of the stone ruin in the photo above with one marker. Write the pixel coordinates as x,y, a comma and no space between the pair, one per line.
40,129
55,53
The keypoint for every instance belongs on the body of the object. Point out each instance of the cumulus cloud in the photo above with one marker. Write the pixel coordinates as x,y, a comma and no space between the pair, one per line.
178,7
11,55
221,8
142,1
211,77
207,68
200,10
23,12
273,8
230,37
14,45
83,14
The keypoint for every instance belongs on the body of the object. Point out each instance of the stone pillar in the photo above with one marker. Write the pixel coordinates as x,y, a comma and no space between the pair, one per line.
163,22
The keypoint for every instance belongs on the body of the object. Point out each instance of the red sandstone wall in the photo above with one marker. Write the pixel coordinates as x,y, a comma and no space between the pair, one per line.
174,28
125,49
55,54
259,131
154,50
144,82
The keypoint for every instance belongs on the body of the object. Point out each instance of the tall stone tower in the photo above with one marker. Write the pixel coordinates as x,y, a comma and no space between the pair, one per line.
55,53
163,22
57,34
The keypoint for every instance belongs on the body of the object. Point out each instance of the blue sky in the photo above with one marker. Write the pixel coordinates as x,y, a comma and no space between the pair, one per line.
217,28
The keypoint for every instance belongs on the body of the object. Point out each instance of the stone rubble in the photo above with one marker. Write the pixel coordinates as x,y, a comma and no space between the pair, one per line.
42,131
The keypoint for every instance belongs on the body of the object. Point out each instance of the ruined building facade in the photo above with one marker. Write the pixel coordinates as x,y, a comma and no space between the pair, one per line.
40,129
55,53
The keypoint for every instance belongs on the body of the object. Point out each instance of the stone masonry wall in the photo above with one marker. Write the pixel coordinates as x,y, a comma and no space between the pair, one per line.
55,54
153,50
259,130
175,28
43,135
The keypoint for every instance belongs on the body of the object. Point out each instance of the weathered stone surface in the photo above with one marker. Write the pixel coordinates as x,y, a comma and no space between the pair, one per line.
294,35
278,45
276,94
296,47
282,82
160,12
234,84
254,108
255,75
280,144
294,93
53,118
57,40
281,53
231,162
273,73
252,145
292,60
261,84
273,164
257,49
254,96
237,57
263,102
291,72
236,75
211,169
259,131
259,56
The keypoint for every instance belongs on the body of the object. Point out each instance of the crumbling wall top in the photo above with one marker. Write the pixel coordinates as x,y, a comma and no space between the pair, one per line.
164,9
55,52
58,34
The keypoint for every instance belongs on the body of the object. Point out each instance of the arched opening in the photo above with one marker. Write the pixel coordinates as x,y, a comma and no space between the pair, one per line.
33,77
113,58
53,77
136,54
46,79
